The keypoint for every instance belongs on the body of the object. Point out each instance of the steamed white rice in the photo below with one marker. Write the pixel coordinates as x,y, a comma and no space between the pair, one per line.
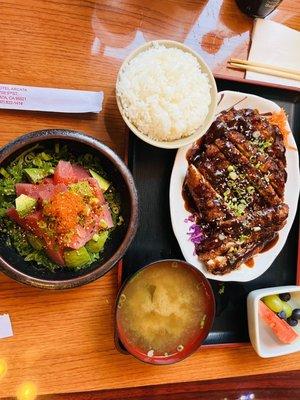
164,93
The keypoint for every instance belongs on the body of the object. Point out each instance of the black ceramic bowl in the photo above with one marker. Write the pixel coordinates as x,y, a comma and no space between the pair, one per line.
13,265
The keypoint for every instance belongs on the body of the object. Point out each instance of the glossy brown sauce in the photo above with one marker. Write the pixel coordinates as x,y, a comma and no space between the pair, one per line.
270,244
190,207
250,262
189,203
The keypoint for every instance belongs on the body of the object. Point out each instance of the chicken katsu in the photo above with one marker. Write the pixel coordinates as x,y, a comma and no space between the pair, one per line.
234,186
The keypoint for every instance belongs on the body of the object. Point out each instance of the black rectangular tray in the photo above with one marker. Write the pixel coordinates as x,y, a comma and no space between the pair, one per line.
151,168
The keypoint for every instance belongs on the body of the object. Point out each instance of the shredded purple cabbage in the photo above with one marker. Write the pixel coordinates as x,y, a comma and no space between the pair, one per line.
191,218
195,231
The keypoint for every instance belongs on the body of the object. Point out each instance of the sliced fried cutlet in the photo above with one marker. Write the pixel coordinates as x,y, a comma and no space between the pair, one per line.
249,227
257,129
268,137
257,179
216,169
205,197
232,258
263,162
273,217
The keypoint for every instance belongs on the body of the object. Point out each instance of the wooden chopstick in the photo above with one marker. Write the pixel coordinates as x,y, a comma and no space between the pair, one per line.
262,65
264,70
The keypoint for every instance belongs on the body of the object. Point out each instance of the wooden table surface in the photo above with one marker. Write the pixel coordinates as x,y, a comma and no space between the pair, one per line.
80,45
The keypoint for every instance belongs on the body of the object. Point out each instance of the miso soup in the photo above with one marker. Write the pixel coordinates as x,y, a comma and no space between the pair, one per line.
163,308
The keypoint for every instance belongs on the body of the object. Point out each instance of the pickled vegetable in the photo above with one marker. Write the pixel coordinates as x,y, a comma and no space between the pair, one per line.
77,258
273,302
96,244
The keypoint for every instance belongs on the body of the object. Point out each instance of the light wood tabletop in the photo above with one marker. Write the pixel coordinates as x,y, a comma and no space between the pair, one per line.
63,341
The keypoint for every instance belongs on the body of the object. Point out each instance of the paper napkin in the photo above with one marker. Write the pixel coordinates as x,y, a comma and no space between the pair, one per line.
5,326
274,44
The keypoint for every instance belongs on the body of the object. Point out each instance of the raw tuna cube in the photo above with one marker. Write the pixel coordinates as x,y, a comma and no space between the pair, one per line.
64,173
98,192
84,234
14,216
46,181
106,215
45,192
31,224
27,188
80,173
81,237
55,254
41,191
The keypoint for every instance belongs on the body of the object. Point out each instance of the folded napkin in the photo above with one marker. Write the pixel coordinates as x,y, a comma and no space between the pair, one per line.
277,45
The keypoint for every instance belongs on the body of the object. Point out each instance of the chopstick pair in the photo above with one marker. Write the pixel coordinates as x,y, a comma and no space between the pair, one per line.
261,68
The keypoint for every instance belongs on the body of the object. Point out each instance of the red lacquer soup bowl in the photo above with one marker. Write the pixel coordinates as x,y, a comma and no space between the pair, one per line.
164,312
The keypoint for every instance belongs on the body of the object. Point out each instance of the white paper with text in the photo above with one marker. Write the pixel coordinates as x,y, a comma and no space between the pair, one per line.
31,98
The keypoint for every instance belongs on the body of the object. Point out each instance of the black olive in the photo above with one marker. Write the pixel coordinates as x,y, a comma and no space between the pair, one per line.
281,315
296,313
285,296
292,322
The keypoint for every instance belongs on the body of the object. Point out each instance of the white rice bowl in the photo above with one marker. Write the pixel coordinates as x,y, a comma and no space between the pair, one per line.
164,93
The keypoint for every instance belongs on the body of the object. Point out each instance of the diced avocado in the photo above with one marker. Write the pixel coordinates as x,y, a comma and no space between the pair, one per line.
82,188
103,224
77,258
103,183
25,205
96,244
35,242
37,174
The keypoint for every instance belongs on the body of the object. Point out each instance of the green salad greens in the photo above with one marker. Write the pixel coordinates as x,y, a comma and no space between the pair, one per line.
33,166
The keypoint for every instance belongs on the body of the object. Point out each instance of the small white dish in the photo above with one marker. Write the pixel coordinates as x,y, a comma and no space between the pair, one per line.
174,144
179,214
262,338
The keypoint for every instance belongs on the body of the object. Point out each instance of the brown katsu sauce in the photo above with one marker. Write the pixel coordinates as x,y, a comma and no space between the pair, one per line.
250,262
189,203
270,244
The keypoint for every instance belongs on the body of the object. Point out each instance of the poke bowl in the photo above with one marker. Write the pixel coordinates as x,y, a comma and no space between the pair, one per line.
68,212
